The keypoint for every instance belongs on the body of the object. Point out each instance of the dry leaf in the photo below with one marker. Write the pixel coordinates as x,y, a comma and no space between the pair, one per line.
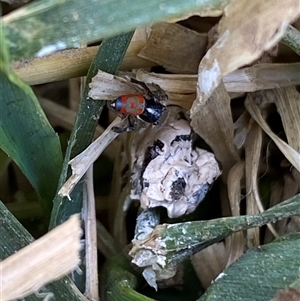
165,38
287,294
214,124
246,30
105,86
176,175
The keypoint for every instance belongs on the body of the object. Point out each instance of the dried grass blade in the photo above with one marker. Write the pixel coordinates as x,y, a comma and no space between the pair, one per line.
254,205
262,77
84,160
45,260
89,217
105,243
235,242
287,101
291,154
105,86
215,125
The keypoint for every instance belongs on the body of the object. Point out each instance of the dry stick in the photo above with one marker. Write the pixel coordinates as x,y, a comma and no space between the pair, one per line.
75,63
84,160
91,285
45,260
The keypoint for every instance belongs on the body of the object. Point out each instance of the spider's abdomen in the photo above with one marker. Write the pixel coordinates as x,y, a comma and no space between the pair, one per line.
130,104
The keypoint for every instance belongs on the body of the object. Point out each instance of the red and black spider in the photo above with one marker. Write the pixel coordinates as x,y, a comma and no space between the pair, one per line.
145,105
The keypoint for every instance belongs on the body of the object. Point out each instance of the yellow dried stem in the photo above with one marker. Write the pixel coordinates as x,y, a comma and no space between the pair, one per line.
72,63
176,83
180,88
45,260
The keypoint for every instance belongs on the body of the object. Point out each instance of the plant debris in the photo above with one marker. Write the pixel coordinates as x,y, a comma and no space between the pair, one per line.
167,171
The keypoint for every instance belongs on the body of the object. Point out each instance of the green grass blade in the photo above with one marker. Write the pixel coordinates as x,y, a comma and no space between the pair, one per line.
109,57
260,273
58,24
122,281
25,133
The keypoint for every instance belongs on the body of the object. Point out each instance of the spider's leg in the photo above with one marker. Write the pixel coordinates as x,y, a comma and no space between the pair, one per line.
145,88
127,128
160,94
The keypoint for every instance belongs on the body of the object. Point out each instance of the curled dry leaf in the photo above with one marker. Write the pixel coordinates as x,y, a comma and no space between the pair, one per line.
167,172
245,31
